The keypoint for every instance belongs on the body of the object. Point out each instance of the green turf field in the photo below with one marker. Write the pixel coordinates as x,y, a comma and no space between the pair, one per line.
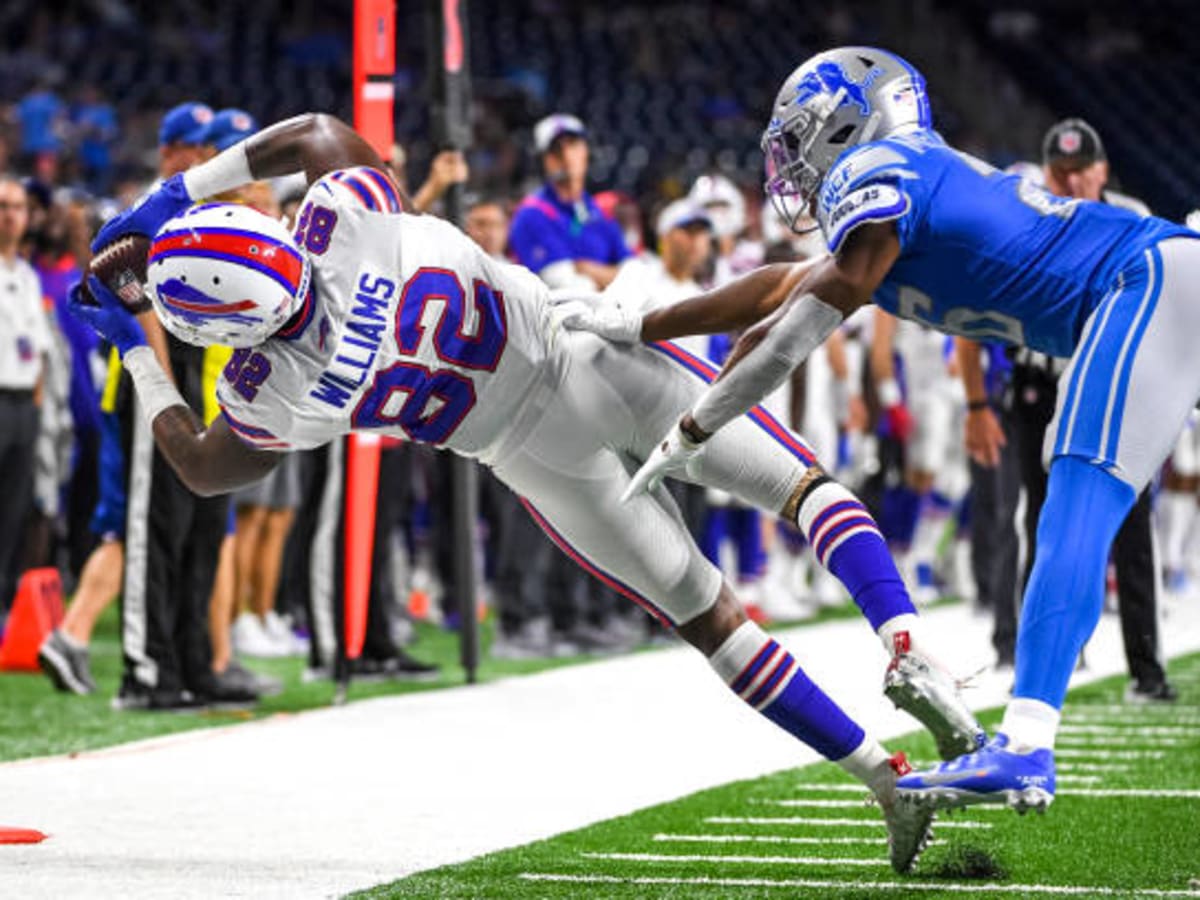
35,720
1126,823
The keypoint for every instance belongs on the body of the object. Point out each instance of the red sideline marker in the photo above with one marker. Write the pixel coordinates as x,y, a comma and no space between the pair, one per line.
21,835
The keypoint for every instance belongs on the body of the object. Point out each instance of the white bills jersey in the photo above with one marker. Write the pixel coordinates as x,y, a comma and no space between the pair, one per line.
410,329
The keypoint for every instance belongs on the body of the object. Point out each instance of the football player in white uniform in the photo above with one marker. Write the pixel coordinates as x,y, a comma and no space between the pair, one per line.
368,318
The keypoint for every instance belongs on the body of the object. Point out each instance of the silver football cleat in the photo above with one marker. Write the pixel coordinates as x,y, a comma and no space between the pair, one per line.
926,692
909,822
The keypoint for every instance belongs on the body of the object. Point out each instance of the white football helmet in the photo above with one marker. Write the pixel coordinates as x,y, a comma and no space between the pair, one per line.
223,273
723,201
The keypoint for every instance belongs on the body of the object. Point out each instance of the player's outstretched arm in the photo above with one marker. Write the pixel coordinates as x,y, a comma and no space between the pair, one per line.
210,460
314,143
731,307
768,352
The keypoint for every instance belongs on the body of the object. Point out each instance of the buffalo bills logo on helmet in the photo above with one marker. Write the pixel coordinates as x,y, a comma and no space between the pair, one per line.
829,77
195,306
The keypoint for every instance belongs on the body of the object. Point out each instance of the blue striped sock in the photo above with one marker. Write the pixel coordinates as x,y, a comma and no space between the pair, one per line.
770,680
847,542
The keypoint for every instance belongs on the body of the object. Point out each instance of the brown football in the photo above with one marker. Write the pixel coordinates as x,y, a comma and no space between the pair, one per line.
121,265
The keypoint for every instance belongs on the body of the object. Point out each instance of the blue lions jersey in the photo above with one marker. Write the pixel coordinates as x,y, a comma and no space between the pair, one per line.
983,254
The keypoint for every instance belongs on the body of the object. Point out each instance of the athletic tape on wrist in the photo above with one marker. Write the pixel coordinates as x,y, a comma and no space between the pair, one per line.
154,388
803,328
227,170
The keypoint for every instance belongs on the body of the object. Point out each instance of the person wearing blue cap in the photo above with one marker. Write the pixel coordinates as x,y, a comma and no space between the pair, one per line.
182,136
227,127
559,232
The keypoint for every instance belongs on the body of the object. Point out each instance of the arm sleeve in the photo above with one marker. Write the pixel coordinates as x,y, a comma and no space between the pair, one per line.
802,328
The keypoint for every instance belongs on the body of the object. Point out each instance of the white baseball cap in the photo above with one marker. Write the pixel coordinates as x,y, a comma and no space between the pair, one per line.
554,126
682,213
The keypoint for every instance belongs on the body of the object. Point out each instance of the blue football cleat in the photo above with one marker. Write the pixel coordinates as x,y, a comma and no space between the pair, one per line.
993,774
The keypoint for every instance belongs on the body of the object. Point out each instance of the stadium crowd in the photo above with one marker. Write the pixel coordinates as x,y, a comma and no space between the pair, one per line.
939,439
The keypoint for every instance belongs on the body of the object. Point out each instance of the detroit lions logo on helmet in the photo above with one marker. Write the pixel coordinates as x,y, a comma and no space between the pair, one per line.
829,77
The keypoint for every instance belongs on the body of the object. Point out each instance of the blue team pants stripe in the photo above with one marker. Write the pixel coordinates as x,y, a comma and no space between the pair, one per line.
1100,381
1130,350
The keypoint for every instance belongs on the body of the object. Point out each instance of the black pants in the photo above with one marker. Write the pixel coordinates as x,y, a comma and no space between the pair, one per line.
172,544
315,557
521,555
995,548
18,435
1133,549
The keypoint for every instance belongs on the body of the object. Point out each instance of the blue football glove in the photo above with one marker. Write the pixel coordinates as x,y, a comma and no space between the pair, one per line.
147,215
110,319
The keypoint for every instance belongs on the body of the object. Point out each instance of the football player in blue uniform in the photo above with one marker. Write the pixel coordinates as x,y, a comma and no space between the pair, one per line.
934,235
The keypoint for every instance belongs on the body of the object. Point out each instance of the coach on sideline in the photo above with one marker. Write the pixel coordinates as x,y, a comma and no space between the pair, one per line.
559,232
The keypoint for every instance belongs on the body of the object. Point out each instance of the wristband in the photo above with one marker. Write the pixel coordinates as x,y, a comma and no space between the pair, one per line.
154,388
977,405
227,170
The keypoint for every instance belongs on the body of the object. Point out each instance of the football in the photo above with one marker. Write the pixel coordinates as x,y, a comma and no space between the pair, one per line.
121,266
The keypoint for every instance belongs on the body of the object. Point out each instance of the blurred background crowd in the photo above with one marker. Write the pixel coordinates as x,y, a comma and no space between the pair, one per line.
616,147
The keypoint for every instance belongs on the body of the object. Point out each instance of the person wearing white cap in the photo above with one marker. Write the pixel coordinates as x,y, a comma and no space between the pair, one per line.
559,232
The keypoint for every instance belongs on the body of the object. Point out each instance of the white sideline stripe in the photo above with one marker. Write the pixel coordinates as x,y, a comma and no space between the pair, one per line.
1093,767
820,884
1070,753
1072,740
826,823
753,860
763,839
1135,727
1186,793
1131,710
820,804
1078,779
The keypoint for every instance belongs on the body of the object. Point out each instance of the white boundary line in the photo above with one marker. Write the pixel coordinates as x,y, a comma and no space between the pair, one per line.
823,823
1080,753
752,860
1131,728
763,839
816,803
1093,767
821,884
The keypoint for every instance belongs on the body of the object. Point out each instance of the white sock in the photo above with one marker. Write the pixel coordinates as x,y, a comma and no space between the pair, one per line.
887,632
868,763
1030,724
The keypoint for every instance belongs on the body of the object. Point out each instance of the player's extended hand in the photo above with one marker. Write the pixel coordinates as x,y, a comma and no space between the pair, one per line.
108,316
675,454
984,437
148,215
601,316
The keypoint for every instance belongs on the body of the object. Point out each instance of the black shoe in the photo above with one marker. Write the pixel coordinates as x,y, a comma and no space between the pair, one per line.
1159,692
399,666
229,689
157,700
67,666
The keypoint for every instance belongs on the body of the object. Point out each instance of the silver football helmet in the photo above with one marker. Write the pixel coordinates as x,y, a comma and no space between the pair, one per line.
835,101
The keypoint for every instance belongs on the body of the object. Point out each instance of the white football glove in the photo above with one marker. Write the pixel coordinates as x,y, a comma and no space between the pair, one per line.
599,316
676,454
